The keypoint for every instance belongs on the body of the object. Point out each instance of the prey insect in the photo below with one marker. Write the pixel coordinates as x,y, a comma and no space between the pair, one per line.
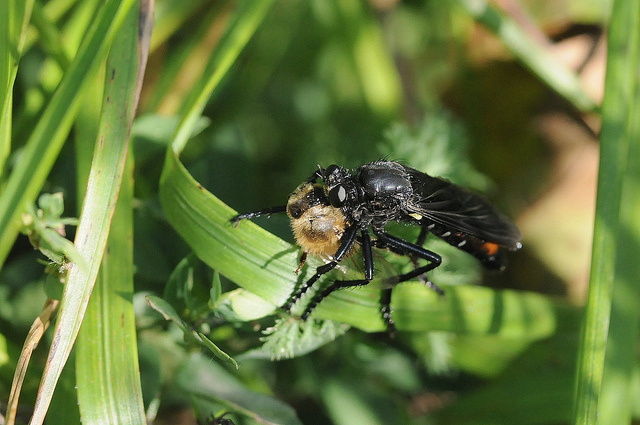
350,209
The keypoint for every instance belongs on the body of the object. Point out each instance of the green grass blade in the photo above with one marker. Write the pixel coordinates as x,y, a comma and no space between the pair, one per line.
108,376
533,55
248,16
49,37
14,16
50,132
179,61
615,239
122,77
7,66
72,33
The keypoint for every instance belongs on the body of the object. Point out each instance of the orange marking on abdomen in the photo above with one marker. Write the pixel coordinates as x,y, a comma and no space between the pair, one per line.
490,248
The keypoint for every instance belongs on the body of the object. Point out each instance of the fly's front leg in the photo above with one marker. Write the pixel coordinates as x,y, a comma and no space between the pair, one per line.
251,215
367,257
346,243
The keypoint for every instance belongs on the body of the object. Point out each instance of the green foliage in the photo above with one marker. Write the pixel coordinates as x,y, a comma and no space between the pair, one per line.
46,230
176,310
615,285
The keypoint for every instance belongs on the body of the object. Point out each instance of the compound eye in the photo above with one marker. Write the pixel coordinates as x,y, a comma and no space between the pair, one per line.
338,196
294,211
330,169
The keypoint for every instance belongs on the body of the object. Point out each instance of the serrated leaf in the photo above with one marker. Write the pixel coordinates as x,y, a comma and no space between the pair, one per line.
290,338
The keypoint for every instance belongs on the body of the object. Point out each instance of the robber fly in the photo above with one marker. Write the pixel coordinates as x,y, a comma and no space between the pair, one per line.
332,218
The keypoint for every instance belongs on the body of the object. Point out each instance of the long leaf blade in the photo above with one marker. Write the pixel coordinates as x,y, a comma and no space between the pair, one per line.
108,376
14,17
618,154
100,200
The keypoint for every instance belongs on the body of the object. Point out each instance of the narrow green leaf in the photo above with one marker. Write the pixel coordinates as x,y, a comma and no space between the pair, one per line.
618,401
217,351
616,235
14,17
50,132
167,311
122,76
247,17
107,371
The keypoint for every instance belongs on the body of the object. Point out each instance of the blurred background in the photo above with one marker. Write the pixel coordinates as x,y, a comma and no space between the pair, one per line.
425,82
349,82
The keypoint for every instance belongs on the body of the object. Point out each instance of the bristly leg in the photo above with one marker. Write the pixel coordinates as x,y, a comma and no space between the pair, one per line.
302,261
407,248
346,243
367,256
267,211
395,244
422,237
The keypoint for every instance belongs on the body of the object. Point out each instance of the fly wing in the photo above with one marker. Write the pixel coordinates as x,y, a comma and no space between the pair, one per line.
459,210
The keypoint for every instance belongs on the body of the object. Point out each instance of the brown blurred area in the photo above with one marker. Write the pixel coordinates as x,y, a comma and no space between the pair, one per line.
552,172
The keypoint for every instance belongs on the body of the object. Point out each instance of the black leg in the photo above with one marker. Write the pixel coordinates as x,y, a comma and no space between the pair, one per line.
385,302
367,257
267,211
348,239
384,240
407,248
415,252
422,236
337,284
